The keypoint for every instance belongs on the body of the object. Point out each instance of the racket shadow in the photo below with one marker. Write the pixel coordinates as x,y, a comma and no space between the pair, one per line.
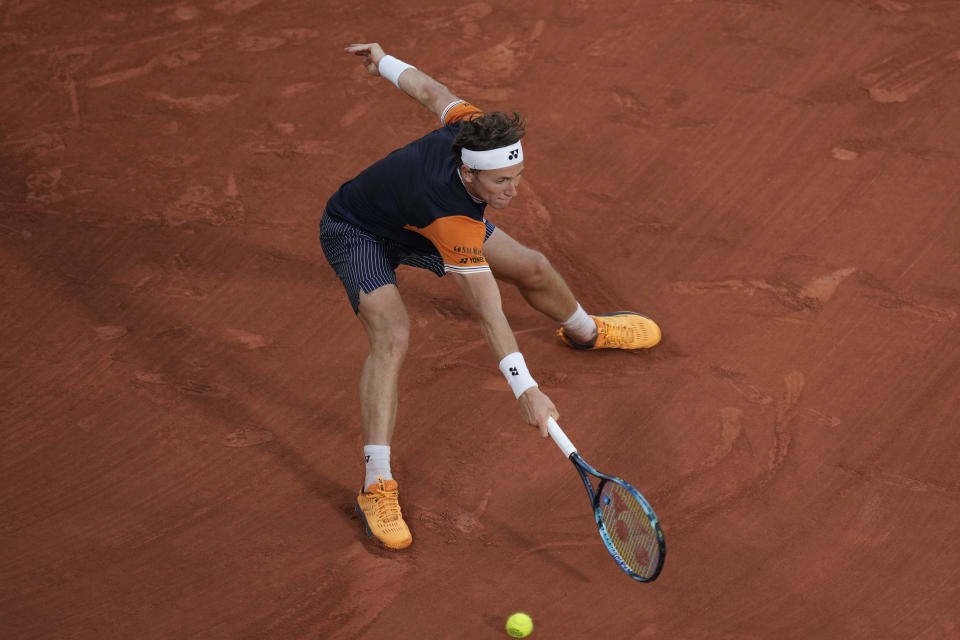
534,548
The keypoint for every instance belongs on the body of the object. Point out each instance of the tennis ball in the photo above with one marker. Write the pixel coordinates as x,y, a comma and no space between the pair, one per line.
519,625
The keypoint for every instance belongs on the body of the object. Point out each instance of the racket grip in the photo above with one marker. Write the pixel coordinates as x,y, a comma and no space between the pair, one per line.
560,438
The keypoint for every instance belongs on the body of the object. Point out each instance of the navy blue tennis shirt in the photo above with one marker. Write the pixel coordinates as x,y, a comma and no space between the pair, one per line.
414,196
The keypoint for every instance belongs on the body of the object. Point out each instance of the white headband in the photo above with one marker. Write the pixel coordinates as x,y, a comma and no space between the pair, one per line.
494,158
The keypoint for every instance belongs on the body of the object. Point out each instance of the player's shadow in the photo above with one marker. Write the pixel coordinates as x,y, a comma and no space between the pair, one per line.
316,483
221,413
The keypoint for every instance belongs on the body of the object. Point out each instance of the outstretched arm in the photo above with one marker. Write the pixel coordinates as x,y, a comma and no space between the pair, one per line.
415,83
483,294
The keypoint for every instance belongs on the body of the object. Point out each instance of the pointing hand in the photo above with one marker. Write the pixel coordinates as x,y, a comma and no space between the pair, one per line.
371,54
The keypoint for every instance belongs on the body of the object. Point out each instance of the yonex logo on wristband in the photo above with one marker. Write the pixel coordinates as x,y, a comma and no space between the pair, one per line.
514,369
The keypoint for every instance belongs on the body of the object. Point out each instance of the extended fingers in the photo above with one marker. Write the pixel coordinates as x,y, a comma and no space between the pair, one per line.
360,48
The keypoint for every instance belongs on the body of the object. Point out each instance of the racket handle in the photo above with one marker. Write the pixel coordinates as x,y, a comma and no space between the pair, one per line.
560,438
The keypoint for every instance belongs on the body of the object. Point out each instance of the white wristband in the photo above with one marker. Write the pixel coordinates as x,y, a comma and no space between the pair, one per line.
391,68
514,369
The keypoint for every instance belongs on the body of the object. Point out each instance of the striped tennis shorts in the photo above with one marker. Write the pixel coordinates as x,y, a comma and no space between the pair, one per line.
365,262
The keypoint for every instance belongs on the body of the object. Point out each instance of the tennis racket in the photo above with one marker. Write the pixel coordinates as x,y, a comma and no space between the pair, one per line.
628,526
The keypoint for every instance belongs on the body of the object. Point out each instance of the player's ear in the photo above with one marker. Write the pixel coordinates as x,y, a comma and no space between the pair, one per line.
466,174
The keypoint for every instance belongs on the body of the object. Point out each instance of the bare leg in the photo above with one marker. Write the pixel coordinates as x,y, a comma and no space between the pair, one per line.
388,330
530,271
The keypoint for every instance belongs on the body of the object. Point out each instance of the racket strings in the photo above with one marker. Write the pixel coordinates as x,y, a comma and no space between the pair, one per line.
634,537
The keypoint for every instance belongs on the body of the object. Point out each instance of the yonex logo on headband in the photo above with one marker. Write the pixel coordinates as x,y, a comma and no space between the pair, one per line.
493,158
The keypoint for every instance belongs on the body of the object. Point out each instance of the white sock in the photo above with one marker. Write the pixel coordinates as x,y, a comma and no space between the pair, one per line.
580,327
378,463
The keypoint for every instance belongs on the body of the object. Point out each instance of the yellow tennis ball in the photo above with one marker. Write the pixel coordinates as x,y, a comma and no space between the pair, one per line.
519,625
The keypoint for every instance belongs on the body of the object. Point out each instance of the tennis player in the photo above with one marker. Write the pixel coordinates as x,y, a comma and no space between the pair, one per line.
422,206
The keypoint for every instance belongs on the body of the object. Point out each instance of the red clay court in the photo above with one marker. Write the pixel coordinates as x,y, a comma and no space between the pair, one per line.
775,182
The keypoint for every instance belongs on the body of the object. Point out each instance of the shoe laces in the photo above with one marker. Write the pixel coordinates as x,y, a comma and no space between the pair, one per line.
387,504
615,333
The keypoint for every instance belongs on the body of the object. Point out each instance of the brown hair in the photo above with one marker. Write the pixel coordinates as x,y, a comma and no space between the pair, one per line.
489,131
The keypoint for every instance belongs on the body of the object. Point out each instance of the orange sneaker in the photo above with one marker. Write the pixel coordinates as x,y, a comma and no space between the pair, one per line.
621,330
379,507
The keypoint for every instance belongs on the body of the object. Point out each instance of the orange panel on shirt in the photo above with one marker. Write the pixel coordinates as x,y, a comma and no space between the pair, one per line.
459,240
462,111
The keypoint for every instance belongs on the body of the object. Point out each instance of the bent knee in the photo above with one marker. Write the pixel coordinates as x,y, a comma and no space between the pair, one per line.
390,338
388,333
536,271
399,338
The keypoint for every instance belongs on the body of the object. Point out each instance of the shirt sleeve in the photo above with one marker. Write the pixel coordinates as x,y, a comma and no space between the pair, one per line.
459,241
459,110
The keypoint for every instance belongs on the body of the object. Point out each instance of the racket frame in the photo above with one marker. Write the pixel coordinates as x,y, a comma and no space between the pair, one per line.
584,468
